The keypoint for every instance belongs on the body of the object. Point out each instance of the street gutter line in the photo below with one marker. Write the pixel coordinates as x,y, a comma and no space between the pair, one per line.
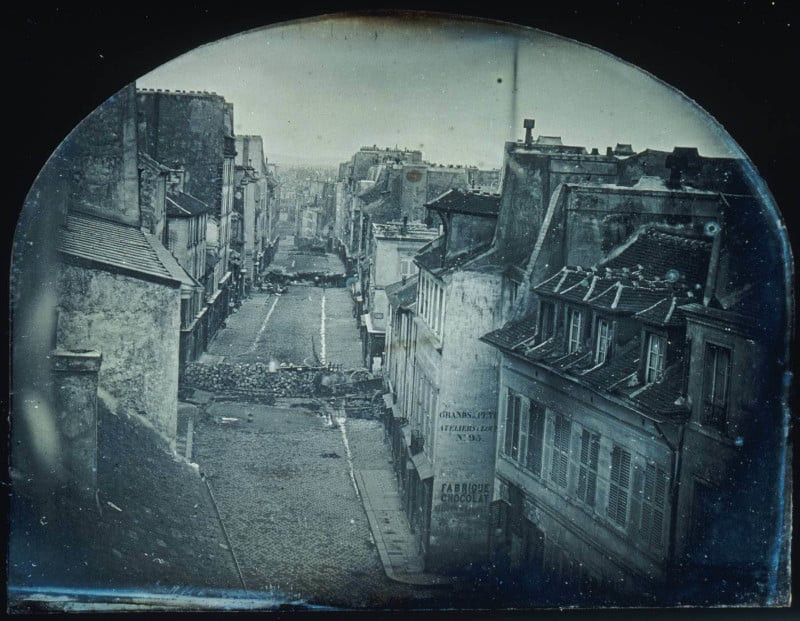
341,420
322,353
263,326
225,532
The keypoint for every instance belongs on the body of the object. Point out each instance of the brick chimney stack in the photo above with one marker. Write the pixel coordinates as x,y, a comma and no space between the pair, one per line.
528,124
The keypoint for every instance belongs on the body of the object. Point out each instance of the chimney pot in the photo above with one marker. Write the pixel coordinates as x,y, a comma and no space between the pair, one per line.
609,151
528,124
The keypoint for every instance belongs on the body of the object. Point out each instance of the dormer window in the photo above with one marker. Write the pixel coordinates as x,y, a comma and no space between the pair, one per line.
716,372
656,356
603,341
575,330
547,313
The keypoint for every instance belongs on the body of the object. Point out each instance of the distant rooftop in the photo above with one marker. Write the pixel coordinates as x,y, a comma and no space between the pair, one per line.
410,231
177,92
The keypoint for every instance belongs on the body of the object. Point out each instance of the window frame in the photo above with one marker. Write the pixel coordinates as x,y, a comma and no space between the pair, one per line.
547,320
603,343
588,467
536,436
715,414
653,510
619,487
560,450
652,373
577,340
512,444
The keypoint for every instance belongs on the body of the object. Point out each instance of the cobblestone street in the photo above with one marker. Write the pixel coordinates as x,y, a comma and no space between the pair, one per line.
285,493
287,329
282,475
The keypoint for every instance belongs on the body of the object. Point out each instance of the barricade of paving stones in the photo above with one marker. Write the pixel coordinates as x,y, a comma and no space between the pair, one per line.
257,382
256,377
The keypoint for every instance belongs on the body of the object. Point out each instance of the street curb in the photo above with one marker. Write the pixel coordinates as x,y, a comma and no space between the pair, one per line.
421,580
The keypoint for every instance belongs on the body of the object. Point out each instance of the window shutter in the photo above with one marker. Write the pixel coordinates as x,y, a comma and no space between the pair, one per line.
498,513
636,505
524,429
535,437
619,486
652,519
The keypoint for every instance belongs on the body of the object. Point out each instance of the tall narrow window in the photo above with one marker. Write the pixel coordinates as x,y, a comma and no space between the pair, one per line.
441,310
560,445
619,486
656,354
603,340
435,308
587,474
533,460
575,330
513,410
717,370
546,320
655,492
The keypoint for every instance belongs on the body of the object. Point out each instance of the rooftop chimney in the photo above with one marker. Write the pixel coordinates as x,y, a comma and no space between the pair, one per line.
609,151
595,151
528,125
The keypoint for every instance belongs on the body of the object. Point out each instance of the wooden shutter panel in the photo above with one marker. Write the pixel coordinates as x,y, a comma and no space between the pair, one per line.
636,495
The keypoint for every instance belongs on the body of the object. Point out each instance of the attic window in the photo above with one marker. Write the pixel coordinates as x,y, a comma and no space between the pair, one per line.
656,355
546,320
575,330
603,340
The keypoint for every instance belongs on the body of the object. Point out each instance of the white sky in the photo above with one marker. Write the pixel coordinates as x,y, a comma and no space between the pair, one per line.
318,90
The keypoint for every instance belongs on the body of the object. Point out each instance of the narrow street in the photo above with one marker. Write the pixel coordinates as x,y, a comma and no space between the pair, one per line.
288,328
282,474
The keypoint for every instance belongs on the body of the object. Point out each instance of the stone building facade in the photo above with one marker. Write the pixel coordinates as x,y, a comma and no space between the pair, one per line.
624,380
390,258
194,131
116,290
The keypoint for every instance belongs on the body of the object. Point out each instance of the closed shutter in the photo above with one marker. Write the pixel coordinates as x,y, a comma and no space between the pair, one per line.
655,492
587,476
535,437
560,461
619,486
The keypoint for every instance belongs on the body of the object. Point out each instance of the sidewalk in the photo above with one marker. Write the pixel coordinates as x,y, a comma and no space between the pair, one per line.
397,545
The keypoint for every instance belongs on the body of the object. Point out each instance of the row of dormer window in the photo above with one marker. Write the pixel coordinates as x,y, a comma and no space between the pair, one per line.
716,358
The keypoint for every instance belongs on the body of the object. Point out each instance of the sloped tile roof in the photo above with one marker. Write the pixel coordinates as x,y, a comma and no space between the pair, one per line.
664,254
112,244
513,333
467,202
402,293
182,204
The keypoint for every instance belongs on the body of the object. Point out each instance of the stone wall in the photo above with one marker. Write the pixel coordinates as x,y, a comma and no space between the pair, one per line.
186,129
465,424
135,324
98,160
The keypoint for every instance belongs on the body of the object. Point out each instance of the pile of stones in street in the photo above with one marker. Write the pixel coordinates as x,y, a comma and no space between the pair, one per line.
255,377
